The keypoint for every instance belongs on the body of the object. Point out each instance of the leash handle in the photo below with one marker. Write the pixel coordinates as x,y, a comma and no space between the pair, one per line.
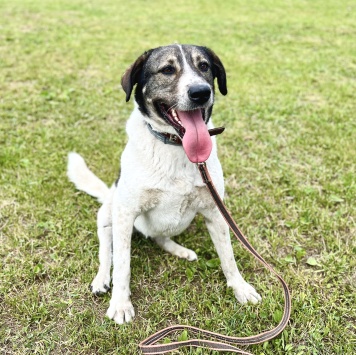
150,346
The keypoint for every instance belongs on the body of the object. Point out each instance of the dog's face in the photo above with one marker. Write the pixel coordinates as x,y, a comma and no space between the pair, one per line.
175,92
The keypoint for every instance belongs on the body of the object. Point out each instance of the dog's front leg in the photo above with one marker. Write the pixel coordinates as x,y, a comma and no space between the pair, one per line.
121,309
219,232
101,282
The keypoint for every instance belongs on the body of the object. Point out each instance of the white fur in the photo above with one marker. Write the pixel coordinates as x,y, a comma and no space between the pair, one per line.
159,192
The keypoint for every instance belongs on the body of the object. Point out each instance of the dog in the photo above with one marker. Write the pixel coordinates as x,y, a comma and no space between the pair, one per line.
159,190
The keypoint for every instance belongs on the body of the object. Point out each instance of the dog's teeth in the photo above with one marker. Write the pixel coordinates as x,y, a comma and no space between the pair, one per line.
175,116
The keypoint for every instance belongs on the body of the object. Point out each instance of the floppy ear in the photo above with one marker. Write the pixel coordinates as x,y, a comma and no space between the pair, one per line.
132,74
218,71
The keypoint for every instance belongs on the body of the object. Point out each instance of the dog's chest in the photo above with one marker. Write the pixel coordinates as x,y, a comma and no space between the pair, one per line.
172,210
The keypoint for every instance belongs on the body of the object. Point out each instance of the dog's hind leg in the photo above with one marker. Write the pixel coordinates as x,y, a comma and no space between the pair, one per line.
101,282
175,249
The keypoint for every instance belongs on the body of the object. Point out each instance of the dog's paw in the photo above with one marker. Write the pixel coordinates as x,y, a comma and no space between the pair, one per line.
121,312
175,249
100,285
244,293
188,254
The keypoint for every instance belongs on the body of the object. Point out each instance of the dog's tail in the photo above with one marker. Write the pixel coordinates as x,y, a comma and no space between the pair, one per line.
84,179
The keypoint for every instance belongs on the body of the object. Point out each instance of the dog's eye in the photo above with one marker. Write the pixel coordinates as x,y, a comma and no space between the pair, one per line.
203,66
168,70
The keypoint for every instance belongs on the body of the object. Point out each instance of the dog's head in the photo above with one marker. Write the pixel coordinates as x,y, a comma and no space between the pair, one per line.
175,92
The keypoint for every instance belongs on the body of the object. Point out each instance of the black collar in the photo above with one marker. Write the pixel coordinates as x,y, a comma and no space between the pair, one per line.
173,139
166,138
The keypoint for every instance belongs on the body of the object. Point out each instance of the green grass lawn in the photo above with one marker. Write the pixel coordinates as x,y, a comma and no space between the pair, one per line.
288,152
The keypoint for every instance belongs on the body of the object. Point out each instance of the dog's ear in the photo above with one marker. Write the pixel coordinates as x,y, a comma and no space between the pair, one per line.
132,74
218,71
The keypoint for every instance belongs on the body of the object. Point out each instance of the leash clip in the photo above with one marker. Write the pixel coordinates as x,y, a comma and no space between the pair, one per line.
173,138
204,172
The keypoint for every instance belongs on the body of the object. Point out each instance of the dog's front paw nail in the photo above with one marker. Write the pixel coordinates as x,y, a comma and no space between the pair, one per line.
246,293
100,285
97,292
121,312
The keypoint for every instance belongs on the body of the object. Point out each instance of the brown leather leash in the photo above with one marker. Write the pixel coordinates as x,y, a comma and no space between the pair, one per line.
150,346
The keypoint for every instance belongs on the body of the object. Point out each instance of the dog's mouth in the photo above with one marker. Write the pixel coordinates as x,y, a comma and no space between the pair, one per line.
171,117
191,127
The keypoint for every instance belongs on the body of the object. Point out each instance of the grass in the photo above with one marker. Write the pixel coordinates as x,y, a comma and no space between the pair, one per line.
288,155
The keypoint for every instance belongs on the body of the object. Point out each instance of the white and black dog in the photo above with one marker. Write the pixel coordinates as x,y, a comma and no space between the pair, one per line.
160,190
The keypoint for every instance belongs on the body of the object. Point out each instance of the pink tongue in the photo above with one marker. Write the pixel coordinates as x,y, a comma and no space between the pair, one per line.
196,141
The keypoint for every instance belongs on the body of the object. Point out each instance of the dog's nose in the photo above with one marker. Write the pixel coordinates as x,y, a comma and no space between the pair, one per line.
199,94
